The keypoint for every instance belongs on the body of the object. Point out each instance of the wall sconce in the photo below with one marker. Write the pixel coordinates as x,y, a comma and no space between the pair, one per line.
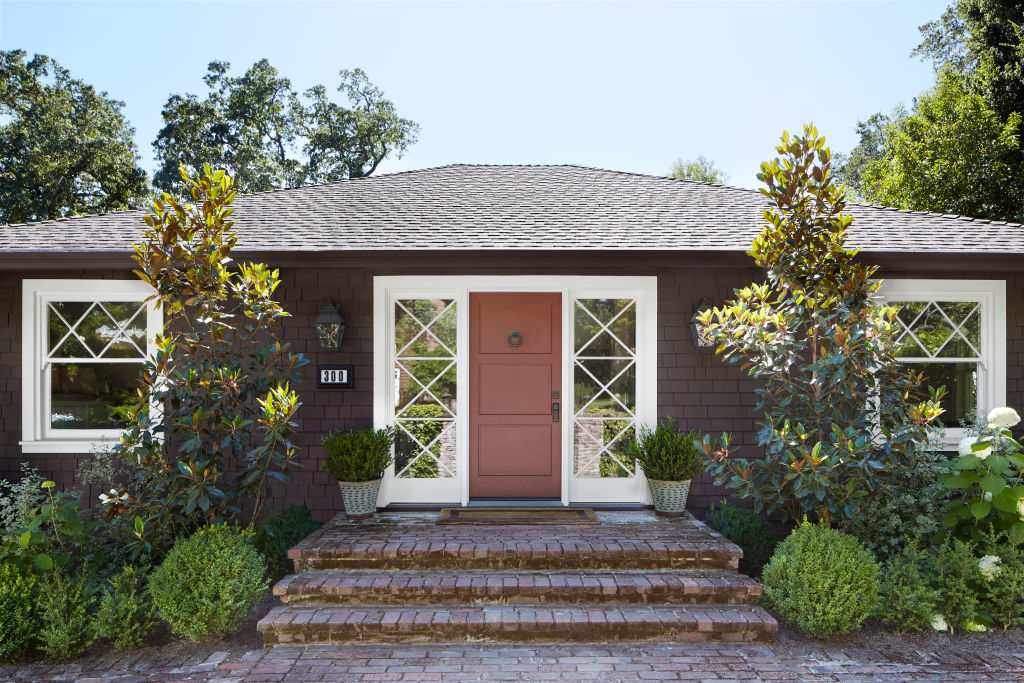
701,341
330,327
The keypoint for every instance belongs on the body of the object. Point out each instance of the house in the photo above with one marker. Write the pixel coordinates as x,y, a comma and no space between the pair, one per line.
515,322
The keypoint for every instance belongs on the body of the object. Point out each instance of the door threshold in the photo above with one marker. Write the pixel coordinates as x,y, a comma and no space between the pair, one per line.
515,503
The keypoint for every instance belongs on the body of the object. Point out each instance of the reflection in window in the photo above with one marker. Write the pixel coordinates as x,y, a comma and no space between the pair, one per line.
604,379
425,387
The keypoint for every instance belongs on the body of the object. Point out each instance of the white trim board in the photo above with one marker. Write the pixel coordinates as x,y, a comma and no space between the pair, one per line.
386,289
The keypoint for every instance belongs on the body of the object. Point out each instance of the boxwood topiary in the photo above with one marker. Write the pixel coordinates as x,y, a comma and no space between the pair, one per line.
822,581
747,529
209,582
19,617
359,454
666,454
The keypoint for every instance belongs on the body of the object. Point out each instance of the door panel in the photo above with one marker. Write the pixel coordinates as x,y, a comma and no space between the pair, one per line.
515,444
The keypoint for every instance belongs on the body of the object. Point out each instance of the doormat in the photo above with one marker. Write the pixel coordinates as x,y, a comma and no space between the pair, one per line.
514,515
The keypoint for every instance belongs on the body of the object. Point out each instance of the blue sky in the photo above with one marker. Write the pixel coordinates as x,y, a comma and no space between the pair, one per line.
623,85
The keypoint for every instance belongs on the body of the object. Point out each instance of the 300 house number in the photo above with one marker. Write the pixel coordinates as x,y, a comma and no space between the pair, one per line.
334,376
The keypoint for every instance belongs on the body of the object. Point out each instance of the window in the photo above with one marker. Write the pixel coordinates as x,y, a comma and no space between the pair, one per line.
954,333
84,346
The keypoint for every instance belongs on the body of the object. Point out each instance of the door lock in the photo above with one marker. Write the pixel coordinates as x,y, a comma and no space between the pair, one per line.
554,412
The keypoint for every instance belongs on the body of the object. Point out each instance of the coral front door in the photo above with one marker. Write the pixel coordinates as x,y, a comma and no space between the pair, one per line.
515,375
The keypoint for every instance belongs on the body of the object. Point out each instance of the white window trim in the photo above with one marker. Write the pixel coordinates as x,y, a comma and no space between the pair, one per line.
35,295
574,490
991,294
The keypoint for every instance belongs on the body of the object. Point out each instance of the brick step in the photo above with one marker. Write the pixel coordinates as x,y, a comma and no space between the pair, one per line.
675,623
567,551
393,587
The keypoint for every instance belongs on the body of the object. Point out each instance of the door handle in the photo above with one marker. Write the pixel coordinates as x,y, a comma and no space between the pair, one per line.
554,412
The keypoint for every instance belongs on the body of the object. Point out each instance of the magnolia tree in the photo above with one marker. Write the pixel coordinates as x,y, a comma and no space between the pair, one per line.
836,407
212,431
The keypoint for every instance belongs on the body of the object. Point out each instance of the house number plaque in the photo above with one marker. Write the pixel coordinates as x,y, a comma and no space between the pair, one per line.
334,376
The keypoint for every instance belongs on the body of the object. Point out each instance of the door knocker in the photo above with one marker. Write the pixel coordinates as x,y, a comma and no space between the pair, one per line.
515,339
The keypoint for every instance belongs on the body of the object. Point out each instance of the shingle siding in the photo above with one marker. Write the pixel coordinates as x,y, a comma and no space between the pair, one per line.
695,387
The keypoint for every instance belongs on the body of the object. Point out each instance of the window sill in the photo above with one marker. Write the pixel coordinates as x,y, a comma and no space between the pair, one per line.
77,446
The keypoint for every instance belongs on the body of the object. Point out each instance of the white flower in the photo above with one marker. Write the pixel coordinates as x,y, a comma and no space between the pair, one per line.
974,626
939,623
1002,418
987,496
965,445
106,499
989,566
1020,508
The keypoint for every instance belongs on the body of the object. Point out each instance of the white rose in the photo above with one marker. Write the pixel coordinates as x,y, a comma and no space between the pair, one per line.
1002,418
989,566
939,623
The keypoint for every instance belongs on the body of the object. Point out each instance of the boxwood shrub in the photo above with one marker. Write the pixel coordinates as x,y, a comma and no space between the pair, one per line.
822,581
209,582
747,529
19,618
279,533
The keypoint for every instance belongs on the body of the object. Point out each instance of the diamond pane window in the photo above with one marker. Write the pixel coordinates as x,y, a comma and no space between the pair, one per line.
943,340
95,351
604,380
425,388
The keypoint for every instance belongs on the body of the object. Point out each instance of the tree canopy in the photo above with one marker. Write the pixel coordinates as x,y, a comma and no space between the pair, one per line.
65,149
268,136
700,169
958,148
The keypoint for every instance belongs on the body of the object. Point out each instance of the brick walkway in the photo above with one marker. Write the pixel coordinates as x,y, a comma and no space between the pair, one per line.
503,662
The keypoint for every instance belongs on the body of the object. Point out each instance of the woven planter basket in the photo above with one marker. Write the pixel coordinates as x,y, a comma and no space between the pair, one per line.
669,496
360,498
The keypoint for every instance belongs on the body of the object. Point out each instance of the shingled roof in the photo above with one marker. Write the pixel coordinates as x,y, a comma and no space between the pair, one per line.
470,207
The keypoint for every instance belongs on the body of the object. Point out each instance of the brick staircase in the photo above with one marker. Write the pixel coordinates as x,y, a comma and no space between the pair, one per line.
403,578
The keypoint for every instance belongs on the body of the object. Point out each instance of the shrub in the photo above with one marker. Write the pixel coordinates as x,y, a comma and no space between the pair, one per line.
19,619
822,580
209,582
67,625
907,506
19,500
954,572
666,454
126,611
747,529
908,602
835,405
359,454
279,533
1002,591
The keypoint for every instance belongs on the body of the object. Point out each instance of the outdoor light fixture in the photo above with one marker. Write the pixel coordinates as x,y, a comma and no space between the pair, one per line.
330,327
701,341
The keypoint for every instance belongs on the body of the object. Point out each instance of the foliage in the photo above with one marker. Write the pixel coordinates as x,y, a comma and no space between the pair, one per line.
907,600
835,406
747,529
821,580
67,624
253,124
279,533
65,149
424,423
700,169
359,454
209,582
53,538
19,618
666,454
952,154
849,168
20,500
953,571
220,374
986,485
126,612
1002,595
907,505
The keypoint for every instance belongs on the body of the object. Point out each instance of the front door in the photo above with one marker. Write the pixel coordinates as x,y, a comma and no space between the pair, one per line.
515,375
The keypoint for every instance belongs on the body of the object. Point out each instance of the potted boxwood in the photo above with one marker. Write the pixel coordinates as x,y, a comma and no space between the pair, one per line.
669,459
357,459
